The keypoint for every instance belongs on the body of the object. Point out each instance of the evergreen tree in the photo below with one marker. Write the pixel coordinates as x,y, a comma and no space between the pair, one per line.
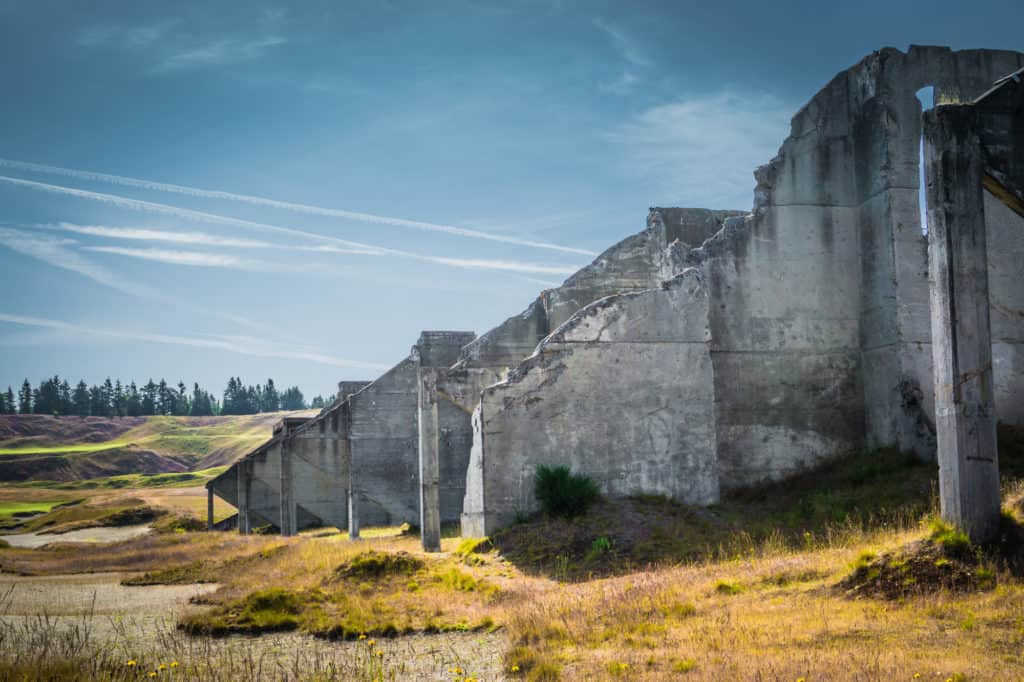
149,393
318,403
292,399
97,402
120,401
80,400
271,401
3,403
66,405
12,407
181,406
25,398
133,401
108,397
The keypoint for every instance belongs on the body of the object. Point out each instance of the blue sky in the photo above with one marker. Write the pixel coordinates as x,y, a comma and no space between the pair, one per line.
196,190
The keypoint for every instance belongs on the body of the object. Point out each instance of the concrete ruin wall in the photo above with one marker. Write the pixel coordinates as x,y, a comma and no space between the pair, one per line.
622,392
842,359
1005,228
818,300
637,263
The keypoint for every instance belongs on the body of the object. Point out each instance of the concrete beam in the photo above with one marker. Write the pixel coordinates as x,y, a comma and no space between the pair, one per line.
961,336
242,473
289,510
353,514
430,465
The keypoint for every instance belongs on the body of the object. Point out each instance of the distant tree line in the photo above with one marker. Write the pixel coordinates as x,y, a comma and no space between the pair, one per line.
113,399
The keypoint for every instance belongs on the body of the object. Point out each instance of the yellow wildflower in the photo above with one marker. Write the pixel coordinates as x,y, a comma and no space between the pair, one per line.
515,668
380,654
161,667
152,674
371,642
362,637
800,679
175,664
131,663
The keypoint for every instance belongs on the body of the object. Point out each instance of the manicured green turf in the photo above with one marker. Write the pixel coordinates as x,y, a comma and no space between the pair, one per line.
9,509
60,449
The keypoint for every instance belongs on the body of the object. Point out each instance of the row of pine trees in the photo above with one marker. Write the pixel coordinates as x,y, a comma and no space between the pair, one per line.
113,399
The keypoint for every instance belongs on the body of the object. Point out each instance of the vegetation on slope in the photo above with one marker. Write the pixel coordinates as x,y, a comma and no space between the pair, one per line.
758,587
69,449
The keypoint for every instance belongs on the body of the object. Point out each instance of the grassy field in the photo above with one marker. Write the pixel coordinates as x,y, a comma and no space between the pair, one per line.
840,574
777,584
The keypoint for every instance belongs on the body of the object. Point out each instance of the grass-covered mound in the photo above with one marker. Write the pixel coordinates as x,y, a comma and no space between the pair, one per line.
881,488
944,560
370,593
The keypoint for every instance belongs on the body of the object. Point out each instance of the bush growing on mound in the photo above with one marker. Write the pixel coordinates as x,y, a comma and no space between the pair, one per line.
562,493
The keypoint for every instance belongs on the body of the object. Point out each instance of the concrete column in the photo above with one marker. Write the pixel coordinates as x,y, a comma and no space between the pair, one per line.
209,509
961,339
289,510
430,467
353,514
242,472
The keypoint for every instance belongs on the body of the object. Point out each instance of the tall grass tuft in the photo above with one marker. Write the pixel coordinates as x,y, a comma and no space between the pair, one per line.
562,493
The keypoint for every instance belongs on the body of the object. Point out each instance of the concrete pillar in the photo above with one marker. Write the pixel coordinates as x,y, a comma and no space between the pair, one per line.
289,510
961,339
353,514
209,509
430,467
241,469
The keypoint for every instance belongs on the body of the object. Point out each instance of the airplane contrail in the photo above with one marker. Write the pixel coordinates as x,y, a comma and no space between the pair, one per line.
232,346
286,205
213,218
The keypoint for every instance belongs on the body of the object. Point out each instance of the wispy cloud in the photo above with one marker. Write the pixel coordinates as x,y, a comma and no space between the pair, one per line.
212,218
220,52
703,150
238,345
623,44
190,258
119,36
285,205
141,234
55,251
623,85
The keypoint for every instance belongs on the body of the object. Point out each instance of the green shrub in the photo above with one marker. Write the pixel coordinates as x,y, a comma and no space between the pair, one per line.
562,493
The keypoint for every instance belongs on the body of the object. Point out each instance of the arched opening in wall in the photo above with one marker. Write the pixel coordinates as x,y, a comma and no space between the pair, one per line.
927,98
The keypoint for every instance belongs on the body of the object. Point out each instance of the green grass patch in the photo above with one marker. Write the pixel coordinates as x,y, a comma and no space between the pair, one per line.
183,479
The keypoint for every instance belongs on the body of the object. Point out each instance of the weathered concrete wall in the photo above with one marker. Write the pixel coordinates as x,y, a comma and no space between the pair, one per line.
621,392
1005,235
820,321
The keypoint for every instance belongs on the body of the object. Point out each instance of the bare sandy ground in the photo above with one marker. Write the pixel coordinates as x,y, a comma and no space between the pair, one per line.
116,534
139,623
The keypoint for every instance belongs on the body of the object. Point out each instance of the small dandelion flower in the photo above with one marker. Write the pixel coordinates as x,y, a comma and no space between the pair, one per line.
161,667
380,654
131,663
175,664
917,676
362,637
152,674
801,679
515,668
371,642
